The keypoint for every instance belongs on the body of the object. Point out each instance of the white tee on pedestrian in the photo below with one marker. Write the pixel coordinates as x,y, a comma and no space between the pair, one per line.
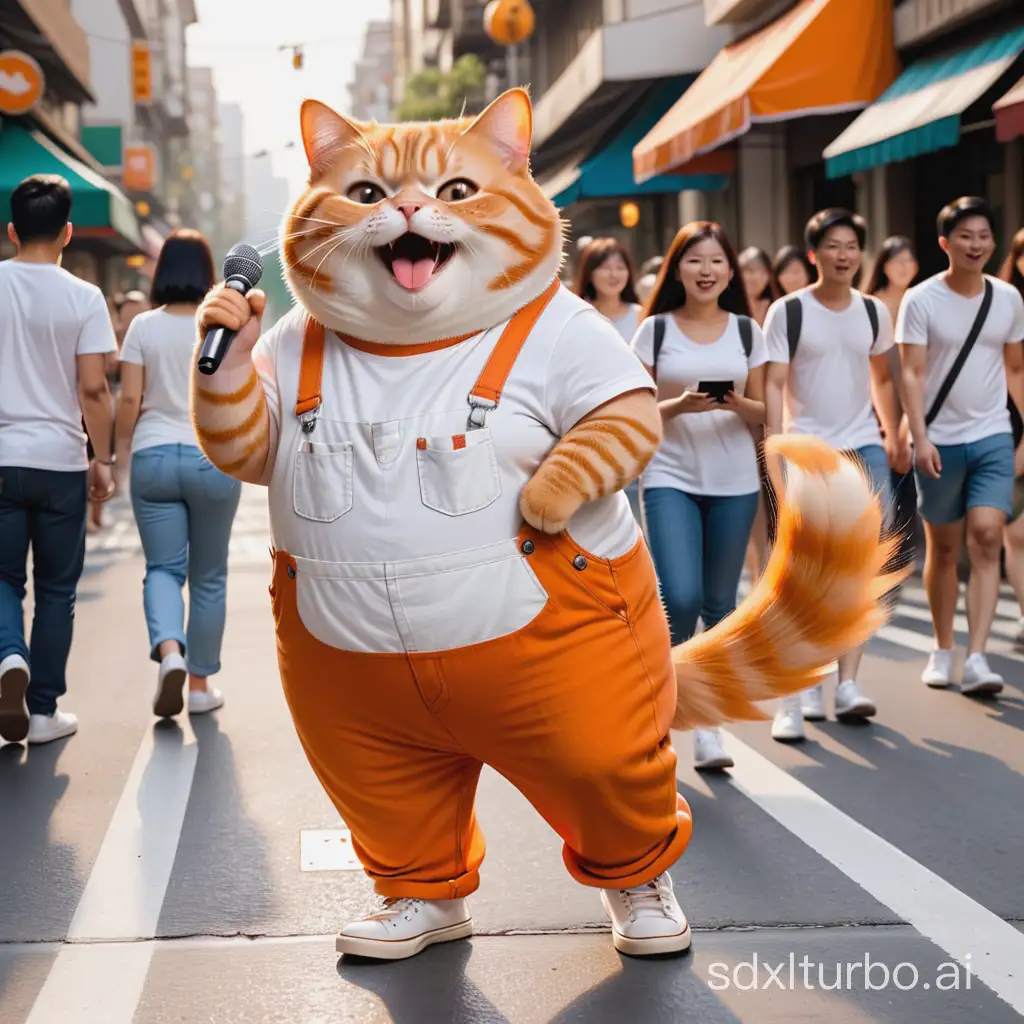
711,453
933,314
162,343
48,317
828,393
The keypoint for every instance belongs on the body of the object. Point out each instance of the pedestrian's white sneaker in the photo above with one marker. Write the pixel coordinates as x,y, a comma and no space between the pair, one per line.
14,718
47,728
851,703
788,726
812,704
170,684
647,920
938,673
978,677
201,701
708,752
404,927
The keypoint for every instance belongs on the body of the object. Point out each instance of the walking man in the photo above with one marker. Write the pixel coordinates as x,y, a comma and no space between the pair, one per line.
827,348
55,333
960,335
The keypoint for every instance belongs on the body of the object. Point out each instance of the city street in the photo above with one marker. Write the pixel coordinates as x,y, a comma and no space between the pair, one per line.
195,871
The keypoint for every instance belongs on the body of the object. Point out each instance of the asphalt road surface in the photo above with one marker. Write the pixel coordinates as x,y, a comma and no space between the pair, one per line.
195,872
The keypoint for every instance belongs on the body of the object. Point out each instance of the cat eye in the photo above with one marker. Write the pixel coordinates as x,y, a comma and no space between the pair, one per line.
457,190
365,192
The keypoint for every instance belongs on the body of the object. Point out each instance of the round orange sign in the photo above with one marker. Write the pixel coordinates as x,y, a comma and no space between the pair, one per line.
21,82
509,22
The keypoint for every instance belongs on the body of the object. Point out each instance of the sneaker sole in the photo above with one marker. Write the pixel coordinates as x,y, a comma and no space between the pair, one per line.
714,764
654,946
400,949
936,684
52,737
814,716
857,712
170,698
972,689
13,709
787,738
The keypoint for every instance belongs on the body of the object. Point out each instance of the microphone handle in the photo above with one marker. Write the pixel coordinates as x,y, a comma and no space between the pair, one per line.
218,339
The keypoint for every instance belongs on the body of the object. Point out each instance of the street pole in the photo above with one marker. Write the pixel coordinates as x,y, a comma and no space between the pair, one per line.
512,65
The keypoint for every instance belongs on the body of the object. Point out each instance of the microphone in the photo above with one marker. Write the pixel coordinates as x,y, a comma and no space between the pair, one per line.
243,269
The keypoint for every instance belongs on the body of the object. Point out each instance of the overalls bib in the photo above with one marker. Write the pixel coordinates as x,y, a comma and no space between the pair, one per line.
556,669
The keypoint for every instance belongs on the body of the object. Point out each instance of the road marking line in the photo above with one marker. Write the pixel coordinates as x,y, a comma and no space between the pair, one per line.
965,930
102,984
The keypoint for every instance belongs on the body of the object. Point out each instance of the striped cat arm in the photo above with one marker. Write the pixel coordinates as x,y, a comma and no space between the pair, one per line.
230,413
602,454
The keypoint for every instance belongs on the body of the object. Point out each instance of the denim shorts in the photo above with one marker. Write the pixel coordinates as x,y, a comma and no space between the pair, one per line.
875,464
975,475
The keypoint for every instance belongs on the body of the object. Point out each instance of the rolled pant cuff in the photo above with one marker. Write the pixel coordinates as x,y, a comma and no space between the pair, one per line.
627,876
453,889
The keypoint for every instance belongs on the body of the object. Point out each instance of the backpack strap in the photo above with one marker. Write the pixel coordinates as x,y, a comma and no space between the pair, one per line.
659,340
746,327
794,323
961,358
869,305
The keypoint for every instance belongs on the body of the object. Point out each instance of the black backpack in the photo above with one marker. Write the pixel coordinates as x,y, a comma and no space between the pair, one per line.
795,321
744,324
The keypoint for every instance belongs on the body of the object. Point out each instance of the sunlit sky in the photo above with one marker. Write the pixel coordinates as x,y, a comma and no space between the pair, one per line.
239,40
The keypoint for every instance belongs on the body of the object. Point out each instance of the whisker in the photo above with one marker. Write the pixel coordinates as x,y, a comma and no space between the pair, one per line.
316,273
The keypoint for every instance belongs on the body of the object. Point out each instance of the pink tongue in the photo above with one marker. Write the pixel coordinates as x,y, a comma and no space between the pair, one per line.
412,275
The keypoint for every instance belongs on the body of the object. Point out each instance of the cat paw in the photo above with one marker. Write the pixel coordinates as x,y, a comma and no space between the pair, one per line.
546,509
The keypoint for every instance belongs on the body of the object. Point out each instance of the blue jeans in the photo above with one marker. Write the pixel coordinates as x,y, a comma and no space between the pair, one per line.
975,475
698,544
184,508
45,509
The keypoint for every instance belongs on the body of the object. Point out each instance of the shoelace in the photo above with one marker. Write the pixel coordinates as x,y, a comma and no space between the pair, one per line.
395,906
651,897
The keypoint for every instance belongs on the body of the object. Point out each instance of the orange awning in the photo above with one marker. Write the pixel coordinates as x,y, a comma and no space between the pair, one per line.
822,57
1009,113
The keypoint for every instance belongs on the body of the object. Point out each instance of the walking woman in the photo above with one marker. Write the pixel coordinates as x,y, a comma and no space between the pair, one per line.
605,278
1013,533
701,488
894,271
792,270
184,506
758,282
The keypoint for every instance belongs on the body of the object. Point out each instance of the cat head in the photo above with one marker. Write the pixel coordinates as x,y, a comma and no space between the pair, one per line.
414,232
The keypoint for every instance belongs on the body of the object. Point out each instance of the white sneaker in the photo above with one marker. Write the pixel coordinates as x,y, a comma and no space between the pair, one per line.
1019,638
708,752
201,701
47,728
978,677
404,927
851,703
647,920
170,684
788,726
938,673
14,717
812,704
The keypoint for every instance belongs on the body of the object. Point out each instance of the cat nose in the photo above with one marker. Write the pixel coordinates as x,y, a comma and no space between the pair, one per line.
408,209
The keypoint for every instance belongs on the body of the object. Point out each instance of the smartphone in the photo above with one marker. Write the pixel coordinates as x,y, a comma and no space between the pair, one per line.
717,389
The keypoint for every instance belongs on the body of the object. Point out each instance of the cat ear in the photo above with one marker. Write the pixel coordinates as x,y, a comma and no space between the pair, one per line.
507,124
325,134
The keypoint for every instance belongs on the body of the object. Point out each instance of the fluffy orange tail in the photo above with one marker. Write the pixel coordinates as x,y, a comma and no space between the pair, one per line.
821,594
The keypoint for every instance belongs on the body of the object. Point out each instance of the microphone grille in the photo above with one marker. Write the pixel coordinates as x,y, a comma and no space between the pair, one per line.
243,261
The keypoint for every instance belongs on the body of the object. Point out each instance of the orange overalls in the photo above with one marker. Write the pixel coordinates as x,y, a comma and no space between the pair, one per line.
574,709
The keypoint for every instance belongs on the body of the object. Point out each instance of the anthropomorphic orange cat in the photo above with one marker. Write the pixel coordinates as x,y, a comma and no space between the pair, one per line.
445,433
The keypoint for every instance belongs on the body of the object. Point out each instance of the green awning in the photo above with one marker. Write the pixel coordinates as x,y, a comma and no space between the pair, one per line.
98,207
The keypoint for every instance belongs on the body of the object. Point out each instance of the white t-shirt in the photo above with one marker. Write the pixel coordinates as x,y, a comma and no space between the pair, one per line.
48,317
162,343
828,393
627,324
710,453
933,314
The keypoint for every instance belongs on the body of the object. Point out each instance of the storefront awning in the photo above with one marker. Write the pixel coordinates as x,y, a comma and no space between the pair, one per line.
821,57
920,113
608,174
99,209
1009,113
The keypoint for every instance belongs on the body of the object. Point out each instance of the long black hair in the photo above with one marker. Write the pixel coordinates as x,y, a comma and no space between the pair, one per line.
752,254
184,271
669,294
1010,272
791,254
878,279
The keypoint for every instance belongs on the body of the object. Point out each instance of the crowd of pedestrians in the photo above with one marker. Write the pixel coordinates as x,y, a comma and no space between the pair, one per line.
63,349
919,383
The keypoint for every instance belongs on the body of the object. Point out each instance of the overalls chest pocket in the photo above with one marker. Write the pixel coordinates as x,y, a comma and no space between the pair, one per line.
322,488
458,473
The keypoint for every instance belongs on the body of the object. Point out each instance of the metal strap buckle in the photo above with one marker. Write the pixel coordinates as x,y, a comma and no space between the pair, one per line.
478,410
308,419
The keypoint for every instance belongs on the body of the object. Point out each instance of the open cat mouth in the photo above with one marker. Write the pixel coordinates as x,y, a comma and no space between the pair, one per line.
414,260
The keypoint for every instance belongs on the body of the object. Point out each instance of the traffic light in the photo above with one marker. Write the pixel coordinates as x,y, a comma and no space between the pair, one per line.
297,58
142,76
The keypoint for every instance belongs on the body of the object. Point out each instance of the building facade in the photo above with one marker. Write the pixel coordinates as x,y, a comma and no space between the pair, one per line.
370,90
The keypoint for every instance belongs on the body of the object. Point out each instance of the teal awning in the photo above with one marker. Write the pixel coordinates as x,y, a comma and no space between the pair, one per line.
99,209
920,112
608,174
